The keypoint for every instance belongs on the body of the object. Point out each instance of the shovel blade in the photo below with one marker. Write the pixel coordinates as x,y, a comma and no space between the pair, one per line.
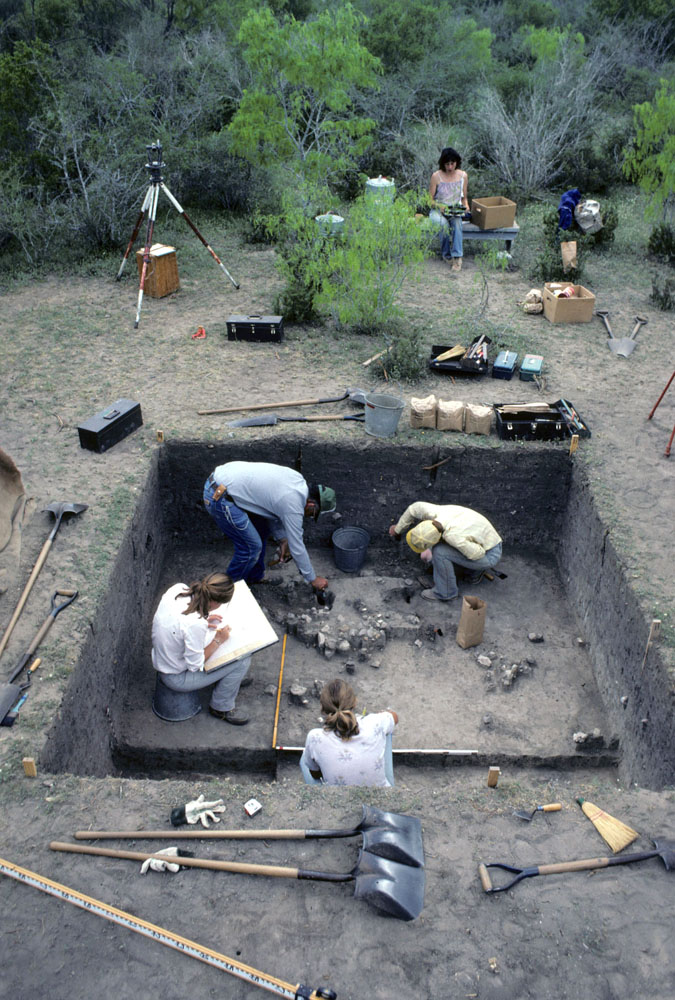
393,836
666,849
9,695
393,888
265,420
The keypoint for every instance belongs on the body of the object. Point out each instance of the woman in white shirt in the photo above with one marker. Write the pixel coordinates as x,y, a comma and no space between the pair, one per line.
349,750
449,186
186,632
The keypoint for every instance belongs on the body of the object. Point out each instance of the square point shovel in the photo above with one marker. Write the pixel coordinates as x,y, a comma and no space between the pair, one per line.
387,885
389,835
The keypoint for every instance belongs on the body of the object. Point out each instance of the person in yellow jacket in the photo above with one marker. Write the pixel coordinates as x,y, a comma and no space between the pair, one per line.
448,536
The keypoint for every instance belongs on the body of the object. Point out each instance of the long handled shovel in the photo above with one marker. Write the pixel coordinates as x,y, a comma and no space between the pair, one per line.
10,693
394,836
665,849
59,510
270,419
396,889
357,395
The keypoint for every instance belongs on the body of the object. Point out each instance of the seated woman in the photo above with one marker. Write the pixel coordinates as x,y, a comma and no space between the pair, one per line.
186,632
449,186
349,751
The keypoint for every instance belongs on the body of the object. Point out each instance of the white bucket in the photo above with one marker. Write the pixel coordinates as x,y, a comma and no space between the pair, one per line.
380,190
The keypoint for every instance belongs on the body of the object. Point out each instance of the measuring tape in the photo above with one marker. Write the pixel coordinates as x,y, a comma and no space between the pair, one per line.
184,945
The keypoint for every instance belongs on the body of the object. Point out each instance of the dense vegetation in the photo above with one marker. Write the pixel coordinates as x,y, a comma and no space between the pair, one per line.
291,104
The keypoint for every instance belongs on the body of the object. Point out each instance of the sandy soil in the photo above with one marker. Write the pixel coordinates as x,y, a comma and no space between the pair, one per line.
70,350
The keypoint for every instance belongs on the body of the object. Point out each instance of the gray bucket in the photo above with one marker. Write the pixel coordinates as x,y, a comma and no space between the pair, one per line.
382,414
349,548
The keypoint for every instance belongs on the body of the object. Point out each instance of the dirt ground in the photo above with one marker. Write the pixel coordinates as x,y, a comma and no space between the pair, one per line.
69,350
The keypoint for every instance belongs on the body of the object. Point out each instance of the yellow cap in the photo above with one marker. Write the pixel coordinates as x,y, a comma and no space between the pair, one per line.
423,536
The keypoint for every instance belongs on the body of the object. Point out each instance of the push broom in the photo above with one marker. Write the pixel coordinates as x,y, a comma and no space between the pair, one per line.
613,831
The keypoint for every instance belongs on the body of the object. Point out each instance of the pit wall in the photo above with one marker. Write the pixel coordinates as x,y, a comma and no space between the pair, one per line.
81,738
639,701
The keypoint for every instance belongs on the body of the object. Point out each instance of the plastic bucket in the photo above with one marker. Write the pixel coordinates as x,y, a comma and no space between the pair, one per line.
380,190
382,414
349,548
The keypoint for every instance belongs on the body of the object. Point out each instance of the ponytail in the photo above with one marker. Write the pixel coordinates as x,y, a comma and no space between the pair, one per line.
215,588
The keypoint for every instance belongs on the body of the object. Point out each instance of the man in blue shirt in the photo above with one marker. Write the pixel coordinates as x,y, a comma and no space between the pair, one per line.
249,501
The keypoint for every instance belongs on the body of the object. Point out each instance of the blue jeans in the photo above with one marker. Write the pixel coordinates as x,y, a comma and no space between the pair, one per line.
444,556
226,681
448,248
248,532
388,766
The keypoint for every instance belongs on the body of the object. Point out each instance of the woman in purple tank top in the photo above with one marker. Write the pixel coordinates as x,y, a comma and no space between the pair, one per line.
449,186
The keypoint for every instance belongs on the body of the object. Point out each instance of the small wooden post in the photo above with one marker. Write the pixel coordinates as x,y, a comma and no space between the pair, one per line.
654,630
29,768
574,444
160,436
493,777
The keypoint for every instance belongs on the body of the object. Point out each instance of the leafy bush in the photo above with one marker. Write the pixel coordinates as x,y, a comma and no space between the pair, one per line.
406,361
303,260
661,243
663,293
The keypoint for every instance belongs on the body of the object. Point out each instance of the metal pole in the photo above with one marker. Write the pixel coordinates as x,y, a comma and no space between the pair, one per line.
139,220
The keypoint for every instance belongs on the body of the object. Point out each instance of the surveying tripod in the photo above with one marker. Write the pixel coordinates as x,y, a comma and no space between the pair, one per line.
149,205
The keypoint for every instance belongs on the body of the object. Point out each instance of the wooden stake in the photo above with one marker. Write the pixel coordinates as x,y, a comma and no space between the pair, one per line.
574,444
493,777
29,768
374,357
654,630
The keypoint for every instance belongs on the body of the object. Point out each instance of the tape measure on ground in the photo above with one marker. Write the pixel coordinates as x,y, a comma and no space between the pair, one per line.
166,937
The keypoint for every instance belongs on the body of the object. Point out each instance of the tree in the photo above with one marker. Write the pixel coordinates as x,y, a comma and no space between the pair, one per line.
299,110
651,162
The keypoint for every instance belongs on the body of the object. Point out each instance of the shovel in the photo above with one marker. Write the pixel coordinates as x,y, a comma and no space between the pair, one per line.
10,693
357,395
389,835
524,814
665,849
270,419
627,345
397,889
59,510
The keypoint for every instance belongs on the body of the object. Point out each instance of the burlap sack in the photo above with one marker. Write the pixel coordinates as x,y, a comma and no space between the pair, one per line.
471,622
569,255
423,411
477,419
450,415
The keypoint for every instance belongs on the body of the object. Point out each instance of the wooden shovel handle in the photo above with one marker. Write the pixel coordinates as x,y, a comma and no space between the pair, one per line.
26,591
190,834
573,866
222,866
272,406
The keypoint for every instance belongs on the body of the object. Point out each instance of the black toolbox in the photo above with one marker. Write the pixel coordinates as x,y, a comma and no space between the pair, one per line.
264,329
106,428
458,366
539,421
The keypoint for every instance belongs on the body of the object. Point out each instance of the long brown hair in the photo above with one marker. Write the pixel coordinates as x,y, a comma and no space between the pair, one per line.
215,587
338,702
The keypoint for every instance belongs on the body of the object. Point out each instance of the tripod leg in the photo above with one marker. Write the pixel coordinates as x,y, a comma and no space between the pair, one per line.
661,397
194,229
139,220
152,215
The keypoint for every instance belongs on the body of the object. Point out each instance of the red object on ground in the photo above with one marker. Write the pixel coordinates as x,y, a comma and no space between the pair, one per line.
200,334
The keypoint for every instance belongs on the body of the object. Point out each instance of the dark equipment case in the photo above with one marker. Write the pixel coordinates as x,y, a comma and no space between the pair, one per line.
548,422
458,366
263,329
106,428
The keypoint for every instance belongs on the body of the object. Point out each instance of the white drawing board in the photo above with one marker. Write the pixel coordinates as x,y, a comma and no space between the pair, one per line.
249,628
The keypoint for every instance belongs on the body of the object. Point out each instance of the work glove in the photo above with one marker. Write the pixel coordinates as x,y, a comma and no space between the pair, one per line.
162,866
197,810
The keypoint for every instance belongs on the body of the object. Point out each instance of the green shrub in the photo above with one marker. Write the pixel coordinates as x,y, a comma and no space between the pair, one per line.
663,293
303,260
661,243
406,360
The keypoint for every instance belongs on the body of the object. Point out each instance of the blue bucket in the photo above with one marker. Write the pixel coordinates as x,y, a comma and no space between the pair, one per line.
349,548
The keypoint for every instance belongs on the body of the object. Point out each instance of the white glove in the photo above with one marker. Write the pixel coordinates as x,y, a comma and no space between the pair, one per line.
162,866
204,811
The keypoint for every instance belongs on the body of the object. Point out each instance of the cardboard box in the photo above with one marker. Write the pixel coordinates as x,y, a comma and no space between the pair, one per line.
493,213
575,310
161,278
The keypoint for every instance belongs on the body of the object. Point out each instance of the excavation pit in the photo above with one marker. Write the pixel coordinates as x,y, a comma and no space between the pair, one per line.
576,699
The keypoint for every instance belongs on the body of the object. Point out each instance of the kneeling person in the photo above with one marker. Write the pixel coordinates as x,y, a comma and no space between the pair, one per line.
186,632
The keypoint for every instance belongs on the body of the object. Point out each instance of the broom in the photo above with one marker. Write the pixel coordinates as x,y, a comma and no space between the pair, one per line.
613,831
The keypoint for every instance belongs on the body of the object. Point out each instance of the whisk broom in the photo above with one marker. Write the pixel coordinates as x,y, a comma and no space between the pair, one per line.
612,830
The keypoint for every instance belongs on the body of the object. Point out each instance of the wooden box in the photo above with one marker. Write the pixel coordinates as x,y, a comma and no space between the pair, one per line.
493,213
578,309
162,275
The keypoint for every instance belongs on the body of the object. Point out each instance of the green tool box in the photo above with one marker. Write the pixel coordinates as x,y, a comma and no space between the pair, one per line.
530,367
